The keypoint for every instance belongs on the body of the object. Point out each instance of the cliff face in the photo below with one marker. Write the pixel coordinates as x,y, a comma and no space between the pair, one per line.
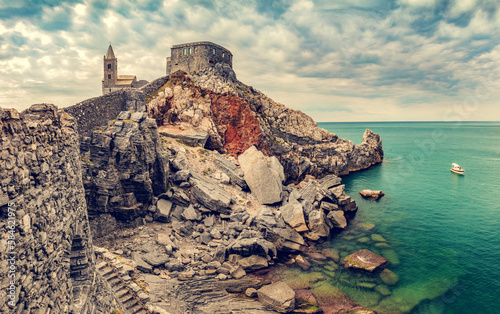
236,116
46,255
124,166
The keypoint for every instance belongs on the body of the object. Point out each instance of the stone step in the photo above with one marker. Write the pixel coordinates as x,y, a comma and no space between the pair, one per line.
140,311
114,281
121,293
130,303
118,287
101,265
106,270
137,308
127,298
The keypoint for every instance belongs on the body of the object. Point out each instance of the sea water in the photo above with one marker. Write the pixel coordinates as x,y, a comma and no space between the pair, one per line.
441,230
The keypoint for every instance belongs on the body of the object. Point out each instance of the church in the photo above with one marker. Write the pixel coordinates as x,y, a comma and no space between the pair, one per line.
112,81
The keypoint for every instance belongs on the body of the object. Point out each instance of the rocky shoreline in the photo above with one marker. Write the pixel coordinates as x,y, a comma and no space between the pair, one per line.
218,223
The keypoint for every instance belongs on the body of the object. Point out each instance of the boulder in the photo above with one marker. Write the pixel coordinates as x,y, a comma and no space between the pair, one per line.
302,262
330,181
190,213
164,210
230,169
155,259
261,175
141,264
210,195
337,219
253,262
374,195
189,136
252,246
251,292
293,214
317,223
365,260
277,296
313,191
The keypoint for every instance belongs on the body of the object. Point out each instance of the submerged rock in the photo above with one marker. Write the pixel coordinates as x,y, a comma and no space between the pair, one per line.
364,260
389,278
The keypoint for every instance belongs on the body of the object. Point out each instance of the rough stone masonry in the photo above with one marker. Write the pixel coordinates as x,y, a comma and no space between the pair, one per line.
48,248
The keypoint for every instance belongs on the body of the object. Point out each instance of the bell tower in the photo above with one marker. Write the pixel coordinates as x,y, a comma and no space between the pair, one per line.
110,69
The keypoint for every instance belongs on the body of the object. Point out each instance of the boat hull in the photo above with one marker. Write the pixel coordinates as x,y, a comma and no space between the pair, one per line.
457,171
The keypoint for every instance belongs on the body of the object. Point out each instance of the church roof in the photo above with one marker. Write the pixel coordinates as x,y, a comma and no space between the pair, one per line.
110,54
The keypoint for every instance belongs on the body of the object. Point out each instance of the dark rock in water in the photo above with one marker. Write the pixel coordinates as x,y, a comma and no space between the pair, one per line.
277,296
365,260
264,175
333,300
374,195
191,137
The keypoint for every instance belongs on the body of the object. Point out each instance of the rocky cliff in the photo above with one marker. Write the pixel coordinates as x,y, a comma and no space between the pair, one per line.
47,261
124,166
235,116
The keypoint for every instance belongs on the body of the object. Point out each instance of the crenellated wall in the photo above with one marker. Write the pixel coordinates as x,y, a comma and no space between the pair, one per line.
46,256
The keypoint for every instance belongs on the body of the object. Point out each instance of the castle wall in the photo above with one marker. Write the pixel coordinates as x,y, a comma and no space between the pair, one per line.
43,215
197,56
97,111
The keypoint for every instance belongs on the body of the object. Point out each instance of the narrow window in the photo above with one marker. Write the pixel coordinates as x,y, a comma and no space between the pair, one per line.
185,50
195,49
223,55
189,50
109,66
213,51
109,76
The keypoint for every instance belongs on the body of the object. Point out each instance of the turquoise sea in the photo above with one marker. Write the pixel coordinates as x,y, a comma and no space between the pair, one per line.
442,229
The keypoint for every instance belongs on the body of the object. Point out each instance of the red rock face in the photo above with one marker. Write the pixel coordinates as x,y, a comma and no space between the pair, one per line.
236,123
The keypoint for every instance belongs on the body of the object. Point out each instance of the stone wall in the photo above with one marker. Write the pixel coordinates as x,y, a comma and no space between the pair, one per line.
194,57
97,111
43,215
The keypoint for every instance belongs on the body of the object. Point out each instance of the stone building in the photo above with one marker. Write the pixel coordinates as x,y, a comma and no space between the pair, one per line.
193,57
112,81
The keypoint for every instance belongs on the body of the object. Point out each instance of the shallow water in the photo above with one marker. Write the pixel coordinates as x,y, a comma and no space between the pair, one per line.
441,228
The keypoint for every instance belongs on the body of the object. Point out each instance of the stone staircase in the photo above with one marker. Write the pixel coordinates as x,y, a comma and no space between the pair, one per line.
126,290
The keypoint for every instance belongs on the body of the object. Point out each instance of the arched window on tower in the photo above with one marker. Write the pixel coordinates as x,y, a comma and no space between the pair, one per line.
195,49
109,66
109,76
213,51
189,50
185,51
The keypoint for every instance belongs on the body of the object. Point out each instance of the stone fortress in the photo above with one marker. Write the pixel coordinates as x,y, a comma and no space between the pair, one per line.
193,57
112,81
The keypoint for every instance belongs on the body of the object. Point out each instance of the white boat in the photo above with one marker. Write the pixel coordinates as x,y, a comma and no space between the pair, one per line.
457,169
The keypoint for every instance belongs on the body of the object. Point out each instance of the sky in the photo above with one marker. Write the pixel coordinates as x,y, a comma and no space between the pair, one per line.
339,61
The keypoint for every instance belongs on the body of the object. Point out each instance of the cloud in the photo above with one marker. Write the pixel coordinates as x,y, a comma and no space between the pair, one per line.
345,60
